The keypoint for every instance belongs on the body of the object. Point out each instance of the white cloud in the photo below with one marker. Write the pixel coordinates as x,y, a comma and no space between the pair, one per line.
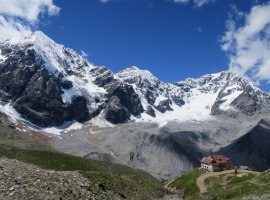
9,28
84,54
247,42
104,1
181,1
17,17
28,9
197,3
200,3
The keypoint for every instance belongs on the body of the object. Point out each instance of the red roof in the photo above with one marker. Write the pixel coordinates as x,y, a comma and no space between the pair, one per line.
218,159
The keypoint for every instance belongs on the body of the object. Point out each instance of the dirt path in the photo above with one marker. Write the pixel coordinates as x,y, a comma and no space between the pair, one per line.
200,180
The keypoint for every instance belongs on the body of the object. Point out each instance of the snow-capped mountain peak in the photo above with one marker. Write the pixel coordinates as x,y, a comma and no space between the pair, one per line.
49,84
45,79
40,37
136,71
56,58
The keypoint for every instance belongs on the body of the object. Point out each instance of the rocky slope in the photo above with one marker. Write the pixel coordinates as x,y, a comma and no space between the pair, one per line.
252,149
22,181
39,174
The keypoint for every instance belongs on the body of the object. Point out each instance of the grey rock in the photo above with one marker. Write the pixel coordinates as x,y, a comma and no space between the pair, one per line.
79,109
150,111
66,84
115,112
164,106
34,92
102,76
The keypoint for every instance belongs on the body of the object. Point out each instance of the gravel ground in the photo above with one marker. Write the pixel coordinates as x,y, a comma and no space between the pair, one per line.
21,181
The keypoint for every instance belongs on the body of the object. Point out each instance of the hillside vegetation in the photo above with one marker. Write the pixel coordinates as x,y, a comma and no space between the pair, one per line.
187,184
226,186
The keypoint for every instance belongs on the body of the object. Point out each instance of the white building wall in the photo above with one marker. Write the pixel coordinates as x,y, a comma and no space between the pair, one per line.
207,167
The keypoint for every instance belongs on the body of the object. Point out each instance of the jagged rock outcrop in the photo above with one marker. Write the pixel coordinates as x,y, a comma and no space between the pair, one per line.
115,112
238,96
127,97
102,76
150,111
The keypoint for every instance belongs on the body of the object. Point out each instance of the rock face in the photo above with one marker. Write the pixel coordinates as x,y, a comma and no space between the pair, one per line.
150,111
239,95
123,101
115,112
248,103
102,76
34,91
79,109
38,77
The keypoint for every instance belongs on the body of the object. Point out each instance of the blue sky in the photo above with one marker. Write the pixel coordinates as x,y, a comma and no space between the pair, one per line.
172,40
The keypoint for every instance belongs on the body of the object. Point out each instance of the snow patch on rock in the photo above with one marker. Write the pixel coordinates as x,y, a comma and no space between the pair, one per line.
11,112
68,126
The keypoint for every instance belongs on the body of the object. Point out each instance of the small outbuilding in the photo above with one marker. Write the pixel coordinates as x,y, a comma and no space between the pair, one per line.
216,163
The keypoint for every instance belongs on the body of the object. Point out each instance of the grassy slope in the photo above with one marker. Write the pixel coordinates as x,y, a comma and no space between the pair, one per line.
218,188
237,187
187,184
122,180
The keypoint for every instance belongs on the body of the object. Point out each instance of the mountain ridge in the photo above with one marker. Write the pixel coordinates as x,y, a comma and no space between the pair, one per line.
131,94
